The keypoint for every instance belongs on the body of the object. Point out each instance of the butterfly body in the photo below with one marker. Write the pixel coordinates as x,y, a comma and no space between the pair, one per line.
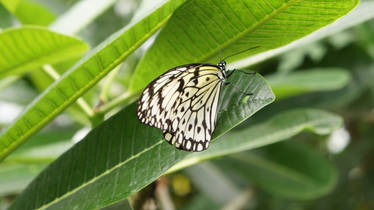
183,103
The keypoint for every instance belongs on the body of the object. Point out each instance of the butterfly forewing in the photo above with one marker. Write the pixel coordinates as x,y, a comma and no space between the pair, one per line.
183,102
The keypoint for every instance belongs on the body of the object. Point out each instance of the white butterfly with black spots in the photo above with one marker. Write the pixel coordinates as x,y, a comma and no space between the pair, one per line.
183,103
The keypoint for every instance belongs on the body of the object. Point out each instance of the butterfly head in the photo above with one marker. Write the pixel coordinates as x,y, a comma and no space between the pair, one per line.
222,66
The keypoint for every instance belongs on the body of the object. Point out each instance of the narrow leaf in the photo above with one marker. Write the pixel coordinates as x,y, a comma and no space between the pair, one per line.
216,29
121,156
27,48
288,170
296,83
83,76
26,10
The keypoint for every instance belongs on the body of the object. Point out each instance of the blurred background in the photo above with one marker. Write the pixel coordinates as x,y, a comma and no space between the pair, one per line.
239,181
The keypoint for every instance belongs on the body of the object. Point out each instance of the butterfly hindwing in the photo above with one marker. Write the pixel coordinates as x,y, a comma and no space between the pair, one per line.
183,102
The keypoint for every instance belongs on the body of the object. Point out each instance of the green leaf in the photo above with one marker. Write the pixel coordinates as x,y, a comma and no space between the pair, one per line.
360,14
26,10
337,100
289,170
122,205
10,5
26,48
122,155
277,128
44,147
206,31
326,79
83,76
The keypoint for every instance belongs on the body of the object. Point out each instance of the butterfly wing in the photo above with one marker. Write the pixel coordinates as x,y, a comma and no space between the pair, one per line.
183,103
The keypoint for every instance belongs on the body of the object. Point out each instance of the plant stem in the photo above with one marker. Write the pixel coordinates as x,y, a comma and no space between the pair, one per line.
123,99
241,201
163,194
81,102
108,83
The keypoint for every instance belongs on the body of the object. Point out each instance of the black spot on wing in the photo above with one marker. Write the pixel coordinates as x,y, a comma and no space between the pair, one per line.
181,85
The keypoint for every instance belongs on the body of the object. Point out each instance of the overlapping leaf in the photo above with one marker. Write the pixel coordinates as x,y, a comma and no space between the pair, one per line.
121,156
83,76
207,30
324,79
276,128
288,170
29,47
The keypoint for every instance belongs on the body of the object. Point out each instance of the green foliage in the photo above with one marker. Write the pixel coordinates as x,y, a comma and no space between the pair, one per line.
283,157
14,178
232,28
82,76
274,129
288,170
11,5
142,156
28,12
29,47
285,85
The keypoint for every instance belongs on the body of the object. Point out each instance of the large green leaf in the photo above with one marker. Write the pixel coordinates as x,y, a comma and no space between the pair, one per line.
360,14
324,79
82,76
206,30
289,170
26,48
121,156
274,129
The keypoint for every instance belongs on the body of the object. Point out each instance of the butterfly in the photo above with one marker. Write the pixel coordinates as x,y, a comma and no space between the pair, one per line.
183,103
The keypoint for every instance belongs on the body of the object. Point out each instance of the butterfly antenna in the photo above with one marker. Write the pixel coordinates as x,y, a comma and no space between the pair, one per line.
241,52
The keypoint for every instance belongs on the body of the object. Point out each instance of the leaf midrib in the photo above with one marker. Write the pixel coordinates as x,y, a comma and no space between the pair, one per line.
67,194
137,155
252,28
